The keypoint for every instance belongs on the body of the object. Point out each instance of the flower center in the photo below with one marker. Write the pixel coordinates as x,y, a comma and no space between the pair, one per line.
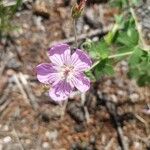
67,70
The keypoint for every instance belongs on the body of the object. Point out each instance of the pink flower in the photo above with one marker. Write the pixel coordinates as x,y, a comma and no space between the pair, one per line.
146,111
65,72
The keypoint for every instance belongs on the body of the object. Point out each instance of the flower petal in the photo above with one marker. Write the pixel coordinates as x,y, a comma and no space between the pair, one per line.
60,54
81,82
47,73
80,60
146,111
60,91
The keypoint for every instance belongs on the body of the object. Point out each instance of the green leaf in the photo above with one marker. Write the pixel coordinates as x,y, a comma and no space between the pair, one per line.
116,3
135,2
133,34
133,73
102,49
124,49
135,58
144,80
98,50
90,75
104,68
139,67
112,35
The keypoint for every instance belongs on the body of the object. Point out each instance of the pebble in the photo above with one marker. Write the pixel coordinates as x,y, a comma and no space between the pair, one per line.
5,128
137,146
134,97
95,39
1,147
7,139
114,98
41,7
52,135
92,140
121,93
79,128
86,28
45,145
76,112
28,141
91,19
13,63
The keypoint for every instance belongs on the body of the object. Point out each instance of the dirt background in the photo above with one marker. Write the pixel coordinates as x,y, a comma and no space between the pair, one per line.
29,120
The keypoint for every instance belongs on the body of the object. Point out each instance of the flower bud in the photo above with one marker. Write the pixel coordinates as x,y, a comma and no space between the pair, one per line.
77,9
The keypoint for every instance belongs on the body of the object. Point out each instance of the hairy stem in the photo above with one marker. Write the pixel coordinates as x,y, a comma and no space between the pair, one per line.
110,57
75,32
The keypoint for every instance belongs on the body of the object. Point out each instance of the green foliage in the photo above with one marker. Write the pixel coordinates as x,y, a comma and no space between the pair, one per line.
121,42
104,68
97,50
129,38
90,75
139,67
6,13
121,4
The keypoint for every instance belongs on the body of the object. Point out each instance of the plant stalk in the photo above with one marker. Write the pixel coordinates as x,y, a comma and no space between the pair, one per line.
110,57
75,32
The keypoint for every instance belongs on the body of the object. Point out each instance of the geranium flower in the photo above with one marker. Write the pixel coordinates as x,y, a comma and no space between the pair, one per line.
65,72
146,111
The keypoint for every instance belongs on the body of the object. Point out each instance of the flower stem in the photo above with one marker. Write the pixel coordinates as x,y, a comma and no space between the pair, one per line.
75,32
110,57
120,55
64,106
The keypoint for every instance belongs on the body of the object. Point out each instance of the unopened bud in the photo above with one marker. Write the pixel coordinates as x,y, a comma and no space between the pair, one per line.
77,9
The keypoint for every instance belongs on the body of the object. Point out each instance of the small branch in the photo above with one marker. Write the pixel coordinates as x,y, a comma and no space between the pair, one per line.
21,89
85,35
5,94
28,91
144,122
4,100
111,108
109,144
18,139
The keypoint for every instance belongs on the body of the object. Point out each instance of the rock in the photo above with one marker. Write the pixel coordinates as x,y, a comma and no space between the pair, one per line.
91,18
38,22
15,146
79,128
74,146
14,64
92,140
45,145
5,128
76,112
1,147
41,7
134,97
28,141
137,146
52,135
7,139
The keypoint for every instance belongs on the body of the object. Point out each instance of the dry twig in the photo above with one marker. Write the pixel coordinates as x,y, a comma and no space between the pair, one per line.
113,114
32,99
4,100
85,35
